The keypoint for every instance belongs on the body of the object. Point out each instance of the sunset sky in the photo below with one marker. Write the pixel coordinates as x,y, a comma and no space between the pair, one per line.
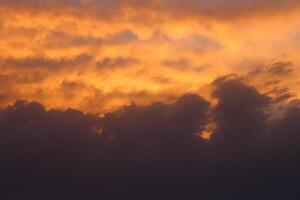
159,94
98,55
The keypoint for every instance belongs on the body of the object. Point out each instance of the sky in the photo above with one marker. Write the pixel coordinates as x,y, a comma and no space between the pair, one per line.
146,97
98,55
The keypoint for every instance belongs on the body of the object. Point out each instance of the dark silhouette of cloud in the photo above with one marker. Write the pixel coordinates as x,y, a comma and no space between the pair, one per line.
239,113
286,131
153,151
174,124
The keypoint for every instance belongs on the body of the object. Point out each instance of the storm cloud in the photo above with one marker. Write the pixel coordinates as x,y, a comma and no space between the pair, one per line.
153,150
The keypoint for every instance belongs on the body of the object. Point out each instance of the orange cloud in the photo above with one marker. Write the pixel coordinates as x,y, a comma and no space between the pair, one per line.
111,53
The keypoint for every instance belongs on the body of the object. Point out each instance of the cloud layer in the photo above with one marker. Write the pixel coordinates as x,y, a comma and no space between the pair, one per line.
118,50
154,151
109,10
162,99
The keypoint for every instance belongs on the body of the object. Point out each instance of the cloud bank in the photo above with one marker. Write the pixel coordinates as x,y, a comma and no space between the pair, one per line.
153,151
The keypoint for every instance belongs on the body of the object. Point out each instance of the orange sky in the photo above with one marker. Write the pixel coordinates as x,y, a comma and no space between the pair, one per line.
97,55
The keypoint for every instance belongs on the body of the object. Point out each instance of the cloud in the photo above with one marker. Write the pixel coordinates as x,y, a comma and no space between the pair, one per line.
280,94
113,63
35,76
281,68
180,64
54,145
71,89
56,39
161,79
113,10
29,63
194,42
173,123
45,56
152,148
286,131
199,43
123,37
29,77
239,115
19,32
2,97
59,39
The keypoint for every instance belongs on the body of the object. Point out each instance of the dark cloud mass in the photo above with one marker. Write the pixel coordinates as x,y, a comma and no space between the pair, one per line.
153,151
239,113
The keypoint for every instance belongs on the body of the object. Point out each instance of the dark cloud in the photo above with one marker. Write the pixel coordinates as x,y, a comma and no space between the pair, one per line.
70,147
239,114
248,146
171,123
153,151
286,131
